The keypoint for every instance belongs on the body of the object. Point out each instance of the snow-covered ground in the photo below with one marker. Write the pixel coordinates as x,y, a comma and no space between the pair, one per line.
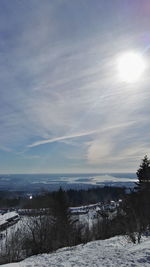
116,251
90,214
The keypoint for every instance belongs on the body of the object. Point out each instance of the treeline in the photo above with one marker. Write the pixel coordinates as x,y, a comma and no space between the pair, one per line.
77,197
91,196
6,202
74,197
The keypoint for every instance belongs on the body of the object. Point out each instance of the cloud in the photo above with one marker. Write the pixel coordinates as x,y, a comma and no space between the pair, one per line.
6,149
59,83
119,150
52,140
77,135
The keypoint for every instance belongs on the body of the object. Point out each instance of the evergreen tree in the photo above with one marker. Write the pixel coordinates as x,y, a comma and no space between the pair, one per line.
143,174
64,230
142,195
137,204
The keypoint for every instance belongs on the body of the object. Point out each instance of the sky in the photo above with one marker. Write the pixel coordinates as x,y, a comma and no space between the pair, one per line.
63,107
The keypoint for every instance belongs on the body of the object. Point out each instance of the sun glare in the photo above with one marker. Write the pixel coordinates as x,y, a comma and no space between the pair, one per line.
131,67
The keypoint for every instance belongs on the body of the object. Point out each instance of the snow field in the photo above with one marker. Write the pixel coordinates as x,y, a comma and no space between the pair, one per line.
116,252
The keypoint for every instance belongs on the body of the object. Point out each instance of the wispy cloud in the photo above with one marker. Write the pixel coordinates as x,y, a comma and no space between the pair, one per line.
6,149
56,139
77,135
59,82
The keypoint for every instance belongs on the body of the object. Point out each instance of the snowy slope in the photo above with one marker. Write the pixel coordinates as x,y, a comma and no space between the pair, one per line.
116,251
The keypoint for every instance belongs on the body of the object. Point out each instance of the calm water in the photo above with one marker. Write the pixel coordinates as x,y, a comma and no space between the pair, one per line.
36,182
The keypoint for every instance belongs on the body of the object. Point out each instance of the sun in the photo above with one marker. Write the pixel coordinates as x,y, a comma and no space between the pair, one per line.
131,66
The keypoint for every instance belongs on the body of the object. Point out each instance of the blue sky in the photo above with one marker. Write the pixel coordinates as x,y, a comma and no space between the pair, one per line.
62,106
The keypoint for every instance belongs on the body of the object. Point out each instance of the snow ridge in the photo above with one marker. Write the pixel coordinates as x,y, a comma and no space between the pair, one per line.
116,251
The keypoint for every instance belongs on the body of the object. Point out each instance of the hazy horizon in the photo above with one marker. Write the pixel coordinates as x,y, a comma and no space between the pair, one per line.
117,174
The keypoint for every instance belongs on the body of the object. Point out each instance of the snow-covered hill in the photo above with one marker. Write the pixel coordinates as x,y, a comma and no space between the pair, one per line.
116,251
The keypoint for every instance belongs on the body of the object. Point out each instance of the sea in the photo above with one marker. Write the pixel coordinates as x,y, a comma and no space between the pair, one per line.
34,183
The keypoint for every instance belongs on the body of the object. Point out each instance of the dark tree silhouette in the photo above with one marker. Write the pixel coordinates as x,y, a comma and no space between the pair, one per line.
65,232
143,174
138,202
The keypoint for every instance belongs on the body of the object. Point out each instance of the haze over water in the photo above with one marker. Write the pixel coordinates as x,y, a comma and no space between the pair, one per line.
37,182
